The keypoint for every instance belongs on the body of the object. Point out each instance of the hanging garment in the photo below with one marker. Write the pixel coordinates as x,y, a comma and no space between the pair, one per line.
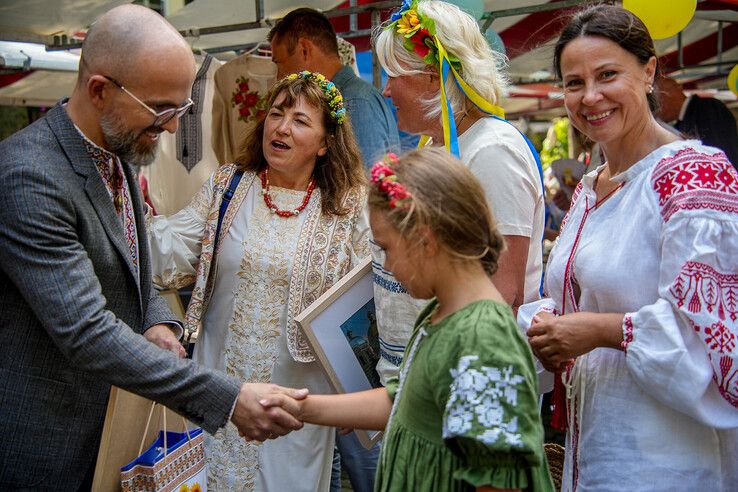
241,86
185,159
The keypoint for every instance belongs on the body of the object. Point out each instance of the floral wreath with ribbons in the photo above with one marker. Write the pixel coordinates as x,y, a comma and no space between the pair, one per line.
385,179
419,32
333,95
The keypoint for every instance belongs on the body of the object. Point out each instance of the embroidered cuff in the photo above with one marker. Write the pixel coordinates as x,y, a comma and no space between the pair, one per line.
627,333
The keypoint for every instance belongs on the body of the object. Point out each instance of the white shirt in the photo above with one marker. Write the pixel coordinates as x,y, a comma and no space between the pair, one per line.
500,158
663,249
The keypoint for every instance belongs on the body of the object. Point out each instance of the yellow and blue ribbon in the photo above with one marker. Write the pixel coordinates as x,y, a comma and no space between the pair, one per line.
450,135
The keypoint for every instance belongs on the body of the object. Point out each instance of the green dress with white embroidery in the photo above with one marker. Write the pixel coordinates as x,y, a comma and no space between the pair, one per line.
465,410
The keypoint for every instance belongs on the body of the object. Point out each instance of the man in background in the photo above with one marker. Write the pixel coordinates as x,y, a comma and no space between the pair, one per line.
305,40
705,118
78,312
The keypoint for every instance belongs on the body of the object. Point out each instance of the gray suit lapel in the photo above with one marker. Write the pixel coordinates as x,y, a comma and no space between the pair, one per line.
95,189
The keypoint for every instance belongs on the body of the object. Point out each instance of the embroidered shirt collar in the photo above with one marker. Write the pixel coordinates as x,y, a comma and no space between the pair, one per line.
643,165
101,157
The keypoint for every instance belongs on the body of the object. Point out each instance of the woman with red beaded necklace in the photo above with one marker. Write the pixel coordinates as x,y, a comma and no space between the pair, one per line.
294,225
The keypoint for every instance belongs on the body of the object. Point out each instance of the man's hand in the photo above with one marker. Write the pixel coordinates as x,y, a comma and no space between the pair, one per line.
255,422
162,336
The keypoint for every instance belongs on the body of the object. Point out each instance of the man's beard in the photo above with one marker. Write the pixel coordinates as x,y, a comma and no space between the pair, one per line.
126,143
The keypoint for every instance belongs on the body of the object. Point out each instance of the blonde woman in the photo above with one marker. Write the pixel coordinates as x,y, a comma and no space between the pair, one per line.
495,152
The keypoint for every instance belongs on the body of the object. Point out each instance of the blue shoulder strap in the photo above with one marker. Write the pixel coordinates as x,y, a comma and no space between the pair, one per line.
225,202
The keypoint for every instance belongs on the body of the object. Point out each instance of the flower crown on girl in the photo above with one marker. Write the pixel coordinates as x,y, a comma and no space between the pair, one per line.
335,99
419,32
385,179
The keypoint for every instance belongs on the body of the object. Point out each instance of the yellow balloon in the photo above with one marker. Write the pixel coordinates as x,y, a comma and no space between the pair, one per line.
733,80
663,18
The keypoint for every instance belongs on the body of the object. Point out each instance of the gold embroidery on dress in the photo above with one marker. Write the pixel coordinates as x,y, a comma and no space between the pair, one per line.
322,257
320,262
254,332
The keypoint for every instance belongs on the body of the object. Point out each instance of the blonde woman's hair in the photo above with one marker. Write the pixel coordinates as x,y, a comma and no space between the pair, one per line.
338,171
447,199
481,66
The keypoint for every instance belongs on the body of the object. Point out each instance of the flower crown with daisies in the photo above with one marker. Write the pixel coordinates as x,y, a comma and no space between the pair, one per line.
335,99
385,179
419,33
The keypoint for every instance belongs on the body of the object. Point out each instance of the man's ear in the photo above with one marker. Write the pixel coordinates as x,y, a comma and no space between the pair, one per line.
98,90
306,49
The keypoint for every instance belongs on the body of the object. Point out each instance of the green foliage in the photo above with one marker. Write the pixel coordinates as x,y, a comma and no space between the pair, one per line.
12,119
556,143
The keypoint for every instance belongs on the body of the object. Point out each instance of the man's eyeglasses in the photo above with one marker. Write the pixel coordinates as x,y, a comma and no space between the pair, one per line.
160,117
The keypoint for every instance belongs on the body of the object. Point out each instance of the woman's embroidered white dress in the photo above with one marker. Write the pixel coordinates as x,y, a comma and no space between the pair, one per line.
664,249
244,326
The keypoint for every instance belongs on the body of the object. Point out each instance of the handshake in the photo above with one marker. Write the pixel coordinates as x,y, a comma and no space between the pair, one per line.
256,420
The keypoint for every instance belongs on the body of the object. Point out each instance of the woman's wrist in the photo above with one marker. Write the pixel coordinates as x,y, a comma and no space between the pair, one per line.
607,330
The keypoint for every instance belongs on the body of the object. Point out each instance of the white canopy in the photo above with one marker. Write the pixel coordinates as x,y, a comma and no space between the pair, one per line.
528,38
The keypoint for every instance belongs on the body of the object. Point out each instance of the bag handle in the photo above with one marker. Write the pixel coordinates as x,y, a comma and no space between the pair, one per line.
164,418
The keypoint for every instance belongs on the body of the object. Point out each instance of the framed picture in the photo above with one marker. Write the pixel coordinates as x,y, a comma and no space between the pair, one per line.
341,327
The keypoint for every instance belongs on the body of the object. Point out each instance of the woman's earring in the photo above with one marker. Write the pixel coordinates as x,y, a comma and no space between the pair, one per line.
650,89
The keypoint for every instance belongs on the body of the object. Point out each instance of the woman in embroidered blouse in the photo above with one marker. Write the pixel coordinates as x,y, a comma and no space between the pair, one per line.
642,283
294,226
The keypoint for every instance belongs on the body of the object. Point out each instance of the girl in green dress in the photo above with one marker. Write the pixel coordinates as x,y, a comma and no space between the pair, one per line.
463,414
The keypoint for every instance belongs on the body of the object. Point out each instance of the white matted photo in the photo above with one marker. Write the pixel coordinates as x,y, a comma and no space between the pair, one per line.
341,327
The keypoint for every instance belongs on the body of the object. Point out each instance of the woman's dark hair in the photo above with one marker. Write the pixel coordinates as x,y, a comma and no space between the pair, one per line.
337,172
616,24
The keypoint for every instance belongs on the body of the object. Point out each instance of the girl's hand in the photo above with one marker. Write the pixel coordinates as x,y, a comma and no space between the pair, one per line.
557,339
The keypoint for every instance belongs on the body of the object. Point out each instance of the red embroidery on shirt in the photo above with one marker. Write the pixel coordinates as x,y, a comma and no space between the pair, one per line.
728,380
627,332
712,297
706,287
719,338
692,180
549,309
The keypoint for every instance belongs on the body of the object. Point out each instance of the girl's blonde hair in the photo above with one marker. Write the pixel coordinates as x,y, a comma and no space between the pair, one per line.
447,199
335,173
481,66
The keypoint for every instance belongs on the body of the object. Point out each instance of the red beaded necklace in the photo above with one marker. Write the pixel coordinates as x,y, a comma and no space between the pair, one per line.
264,175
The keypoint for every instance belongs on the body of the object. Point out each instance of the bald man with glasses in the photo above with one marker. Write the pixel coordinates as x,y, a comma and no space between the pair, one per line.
77,308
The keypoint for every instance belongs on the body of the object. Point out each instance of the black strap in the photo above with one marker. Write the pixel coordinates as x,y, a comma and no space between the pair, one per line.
225,202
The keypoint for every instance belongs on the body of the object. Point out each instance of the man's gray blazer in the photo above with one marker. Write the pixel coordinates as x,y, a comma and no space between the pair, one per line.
72,313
